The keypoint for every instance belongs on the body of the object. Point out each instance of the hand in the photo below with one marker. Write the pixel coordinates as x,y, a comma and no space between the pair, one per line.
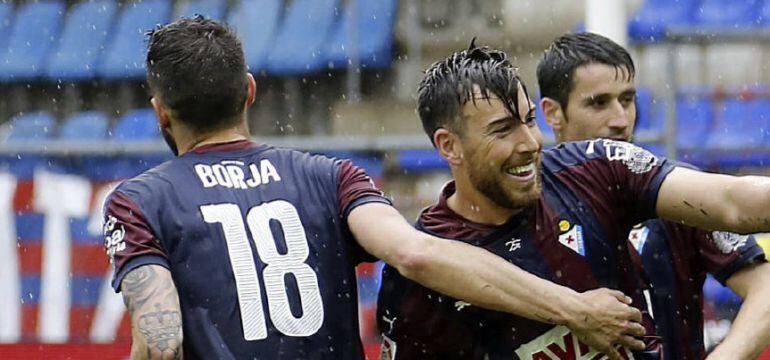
603,318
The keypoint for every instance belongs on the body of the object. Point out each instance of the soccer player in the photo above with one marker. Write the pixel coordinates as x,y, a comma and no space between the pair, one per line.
240,250
564,214
587,88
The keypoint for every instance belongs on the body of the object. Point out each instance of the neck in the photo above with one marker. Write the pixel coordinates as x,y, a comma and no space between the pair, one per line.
187,141
475,206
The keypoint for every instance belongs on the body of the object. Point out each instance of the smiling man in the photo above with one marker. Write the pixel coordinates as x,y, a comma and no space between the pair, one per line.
551,222
563,214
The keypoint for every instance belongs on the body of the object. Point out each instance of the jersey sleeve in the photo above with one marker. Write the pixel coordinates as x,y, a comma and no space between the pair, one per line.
725,253
621,176
128,238
356,188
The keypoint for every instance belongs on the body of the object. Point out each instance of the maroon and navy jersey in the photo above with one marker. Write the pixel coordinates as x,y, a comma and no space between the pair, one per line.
676,259
593,192
257,243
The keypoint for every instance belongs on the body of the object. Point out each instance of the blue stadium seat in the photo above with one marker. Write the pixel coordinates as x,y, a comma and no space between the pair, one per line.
740,125
764,13
652,20
418,161
306,29
720,295
87,125
34,31
32,126
374,23
371,163
125,55
719,14
695,117
81,44
650,113
6,20
136,125
256,23
211,9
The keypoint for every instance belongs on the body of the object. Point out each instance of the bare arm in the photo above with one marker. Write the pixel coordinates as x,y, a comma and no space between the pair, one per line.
156,320
716,201
750,332
479,277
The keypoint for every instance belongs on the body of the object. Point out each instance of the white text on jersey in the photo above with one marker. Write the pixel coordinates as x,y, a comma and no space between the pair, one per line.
233,174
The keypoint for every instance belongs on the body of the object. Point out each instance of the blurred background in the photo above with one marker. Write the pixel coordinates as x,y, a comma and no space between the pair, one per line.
335,77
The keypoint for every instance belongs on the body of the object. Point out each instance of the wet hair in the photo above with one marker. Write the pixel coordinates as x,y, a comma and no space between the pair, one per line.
196,67
449,84
556,68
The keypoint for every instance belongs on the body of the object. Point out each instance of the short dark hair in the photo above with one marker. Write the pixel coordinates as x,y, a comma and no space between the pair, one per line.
449,84
556,68
196,67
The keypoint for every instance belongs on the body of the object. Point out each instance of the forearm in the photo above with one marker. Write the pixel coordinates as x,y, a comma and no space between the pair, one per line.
156,321
750,333
476,276
716,201
749,198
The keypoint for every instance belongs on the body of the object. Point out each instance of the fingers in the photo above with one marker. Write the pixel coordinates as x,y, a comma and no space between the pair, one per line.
635,329
633,314
613,354
631,343
620,296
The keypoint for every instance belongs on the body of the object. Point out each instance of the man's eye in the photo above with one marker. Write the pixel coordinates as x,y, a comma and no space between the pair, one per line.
530,120
599,103
502,130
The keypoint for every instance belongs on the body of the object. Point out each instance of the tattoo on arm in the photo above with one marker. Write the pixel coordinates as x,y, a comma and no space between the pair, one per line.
152,300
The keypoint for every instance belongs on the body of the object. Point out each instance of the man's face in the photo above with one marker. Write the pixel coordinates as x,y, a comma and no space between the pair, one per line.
502,153
602,104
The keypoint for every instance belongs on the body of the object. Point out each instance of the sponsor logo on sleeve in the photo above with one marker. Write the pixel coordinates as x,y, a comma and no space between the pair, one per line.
636,159
560,343
728,242
572,237
113,237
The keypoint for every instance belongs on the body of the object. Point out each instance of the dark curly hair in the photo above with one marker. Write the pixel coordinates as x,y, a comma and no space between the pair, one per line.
569,52
449,84
196,67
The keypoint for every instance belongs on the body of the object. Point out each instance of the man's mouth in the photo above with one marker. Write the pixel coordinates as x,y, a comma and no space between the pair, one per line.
523,172
618,137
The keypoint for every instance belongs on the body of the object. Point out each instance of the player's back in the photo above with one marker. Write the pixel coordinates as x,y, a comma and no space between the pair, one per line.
260,255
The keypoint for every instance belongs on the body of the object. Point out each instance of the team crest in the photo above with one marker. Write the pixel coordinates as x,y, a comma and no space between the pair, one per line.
728,242
572,237
636,159
638,237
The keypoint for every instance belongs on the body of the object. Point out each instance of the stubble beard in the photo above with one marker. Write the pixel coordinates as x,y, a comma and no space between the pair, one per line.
493,188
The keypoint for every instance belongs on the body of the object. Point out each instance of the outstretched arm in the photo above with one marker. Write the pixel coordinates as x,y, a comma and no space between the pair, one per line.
156,319
750,332
716,201
599,317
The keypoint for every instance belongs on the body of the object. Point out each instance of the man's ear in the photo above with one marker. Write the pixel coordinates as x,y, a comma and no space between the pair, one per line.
164,121
448,145
252,90
554,114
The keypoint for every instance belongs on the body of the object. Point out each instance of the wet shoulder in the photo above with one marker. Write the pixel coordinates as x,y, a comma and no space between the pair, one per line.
577,153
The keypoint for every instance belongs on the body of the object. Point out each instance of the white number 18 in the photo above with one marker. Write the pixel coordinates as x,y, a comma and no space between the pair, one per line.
276,268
